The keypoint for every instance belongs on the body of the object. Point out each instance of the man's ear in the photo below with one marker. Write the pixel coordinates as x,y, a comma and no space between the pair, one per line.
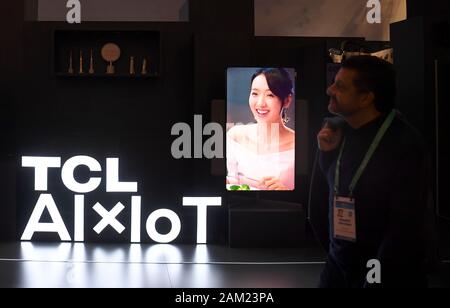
287,101
368,99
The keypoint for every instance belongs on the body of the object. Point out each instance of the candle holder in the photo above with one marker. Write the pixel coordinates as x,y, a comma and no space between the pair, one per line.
132,69
111,53
70,70
81,63
91,64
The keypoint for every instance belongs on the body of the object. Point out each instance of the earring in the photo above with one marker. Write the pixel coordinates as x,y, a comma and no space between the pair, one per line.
285,117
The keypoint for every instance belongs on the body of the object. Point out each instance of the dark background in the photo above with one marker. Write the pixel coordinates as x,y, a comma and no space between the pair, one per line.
45,114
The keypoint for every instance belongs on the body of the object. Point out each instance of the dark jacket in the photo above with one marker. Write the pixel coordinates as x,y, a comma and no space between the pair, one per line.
393,203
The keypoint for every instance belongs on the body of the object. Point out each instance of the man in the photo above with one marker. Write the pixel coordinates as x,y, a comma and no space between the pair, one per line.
377,171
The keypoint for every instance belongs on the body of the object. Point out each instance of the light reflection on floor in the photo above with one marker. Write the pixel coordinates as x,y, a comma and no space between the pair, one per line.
154,266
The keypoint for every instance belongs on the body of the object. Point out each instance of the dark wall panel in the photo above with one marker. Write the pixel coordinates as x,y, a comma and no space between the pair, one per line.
11,14
428,8
129,118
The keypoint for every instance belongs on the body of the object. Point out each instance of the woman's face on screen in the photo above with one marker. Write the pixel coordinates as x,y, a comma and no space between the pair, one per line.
265,106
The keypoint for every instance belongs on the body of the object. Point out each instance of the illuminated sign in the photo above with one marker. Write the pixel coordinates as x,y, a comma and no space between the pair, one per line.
42,165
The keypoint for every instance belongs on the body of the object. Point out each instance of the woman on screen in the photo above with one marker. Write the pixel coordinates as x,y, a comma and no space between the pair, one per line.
262,155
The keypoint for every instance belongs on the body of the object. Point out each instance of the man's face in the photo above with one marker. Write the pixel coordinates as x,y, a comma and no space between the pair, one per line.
345,98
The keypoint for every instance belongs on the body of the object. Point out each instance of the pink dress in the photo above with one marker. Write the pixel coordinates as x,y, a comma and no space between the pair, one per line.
247,167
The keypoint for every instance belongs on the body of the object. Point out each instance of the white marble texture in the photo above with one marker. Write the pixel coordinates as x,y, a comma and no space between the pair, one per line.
325,18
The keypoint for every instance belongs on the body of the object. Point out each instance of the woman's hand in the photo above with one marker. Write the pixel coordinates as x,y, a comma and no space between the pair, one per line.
232,180
272,183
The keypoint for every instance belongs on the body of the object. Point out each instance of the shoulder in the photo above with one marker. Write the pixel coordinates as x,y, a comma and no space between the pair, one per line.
407,136
288,142
239,133
291,133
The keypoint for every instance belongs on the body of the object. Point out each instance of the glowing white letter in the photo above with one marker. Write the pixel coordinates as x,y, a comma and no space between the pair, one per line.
151,226
202,204
41,165
68,177
109,218
58,226
79,218
135,219
112,178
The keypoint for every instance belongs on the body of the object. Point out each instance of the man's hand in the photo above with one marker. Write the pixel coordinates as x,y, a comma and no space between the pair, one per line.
329,139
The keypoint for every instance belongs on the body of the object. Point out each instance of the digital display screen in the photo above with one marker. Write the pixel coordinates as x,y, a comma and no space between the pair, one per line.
260,129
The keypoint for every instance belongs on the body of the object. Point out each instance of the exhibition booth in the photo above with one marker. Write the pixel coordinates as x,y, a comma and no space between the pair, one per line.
127,146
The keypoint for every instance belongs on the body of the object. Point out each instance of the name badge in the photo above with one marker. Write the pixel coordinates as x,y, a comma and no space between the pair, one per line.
344,220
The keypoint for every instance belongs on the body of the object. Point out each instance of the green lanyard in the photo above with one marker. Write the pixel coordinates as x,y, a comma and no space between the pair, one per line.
381,132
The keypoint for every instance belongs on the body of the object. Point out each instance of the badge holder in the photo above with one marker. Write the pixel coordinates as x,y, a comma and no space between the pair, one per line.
344,221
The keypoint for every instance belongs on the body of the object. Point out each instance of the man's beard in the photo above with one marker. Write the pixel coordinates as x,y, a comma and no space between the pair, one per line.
334,108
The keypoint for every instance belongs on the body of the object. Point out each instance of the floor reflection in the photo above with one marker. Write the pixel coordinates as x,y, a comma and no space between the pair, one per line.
79,265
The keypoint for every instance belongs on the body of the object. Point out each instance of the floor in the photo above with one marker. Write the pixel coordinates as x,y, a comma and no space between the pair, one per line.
69,265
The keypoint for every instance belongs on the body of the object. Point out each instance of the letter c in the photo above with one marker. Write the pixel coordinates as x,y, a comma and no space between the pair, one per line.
67,174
